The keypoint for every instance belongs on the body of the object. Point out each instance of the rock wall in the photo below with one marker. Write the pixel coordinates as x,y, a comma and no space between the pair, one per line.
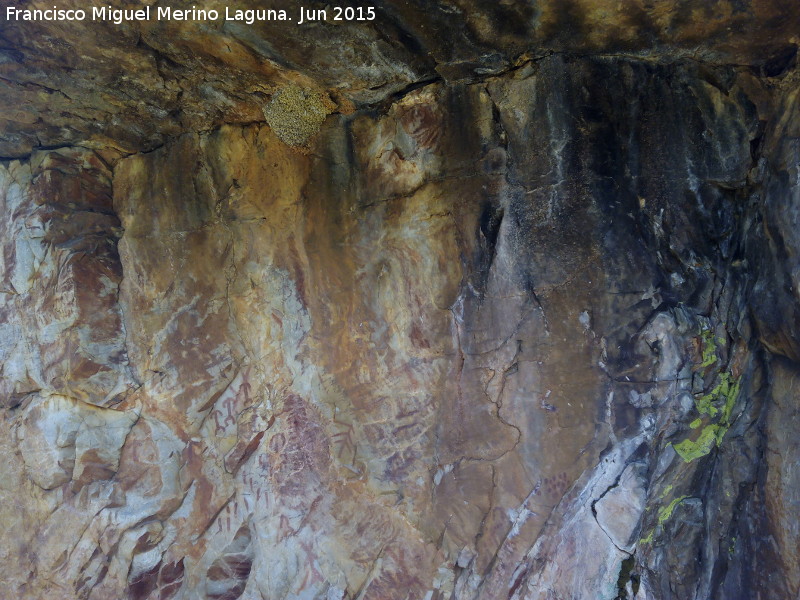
528,336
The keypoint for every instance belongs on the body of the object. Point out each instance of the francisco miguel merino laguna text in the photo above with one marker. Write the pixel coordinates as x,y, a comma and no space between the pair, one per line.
165,13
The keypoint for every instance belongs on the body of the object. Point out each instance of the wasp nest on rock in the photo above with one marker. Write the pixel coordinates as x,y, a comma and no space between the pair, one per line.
296,114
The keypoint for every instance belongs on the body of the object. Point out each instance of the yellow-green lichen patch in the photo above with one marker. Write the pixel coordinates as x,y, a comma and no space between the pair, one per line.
666,512
729,389
649,538
705,404
690,450
709,348
719,402
296,114
726,390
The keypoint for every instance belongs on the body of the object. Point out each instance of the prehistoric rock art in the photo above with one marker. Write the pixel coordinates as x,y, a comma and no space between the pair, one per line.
474,300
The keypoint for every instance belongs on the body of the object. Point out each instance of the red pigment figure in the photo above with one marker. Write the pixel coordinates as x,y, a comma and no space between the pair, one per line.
245,389
344,438
312,574
220,428
229,402
277,442
284,529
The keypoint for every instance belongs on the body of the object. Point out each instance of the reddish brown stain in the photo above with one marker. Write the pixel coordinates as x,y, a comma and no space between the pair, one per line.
171,579
94,468
418,337
423,123
297,268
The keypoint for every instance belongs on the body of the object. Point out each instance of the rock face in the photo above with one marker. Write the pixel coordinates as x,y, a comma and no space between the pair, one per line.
518,319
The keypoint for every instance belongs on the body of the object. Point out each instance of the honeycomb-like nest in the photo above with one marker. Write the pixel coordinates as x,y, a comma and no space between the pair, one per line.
295,114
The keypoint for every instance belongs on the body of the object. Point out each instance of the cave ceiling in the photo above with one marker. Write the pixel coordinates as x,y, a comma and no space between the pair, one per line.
132,86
